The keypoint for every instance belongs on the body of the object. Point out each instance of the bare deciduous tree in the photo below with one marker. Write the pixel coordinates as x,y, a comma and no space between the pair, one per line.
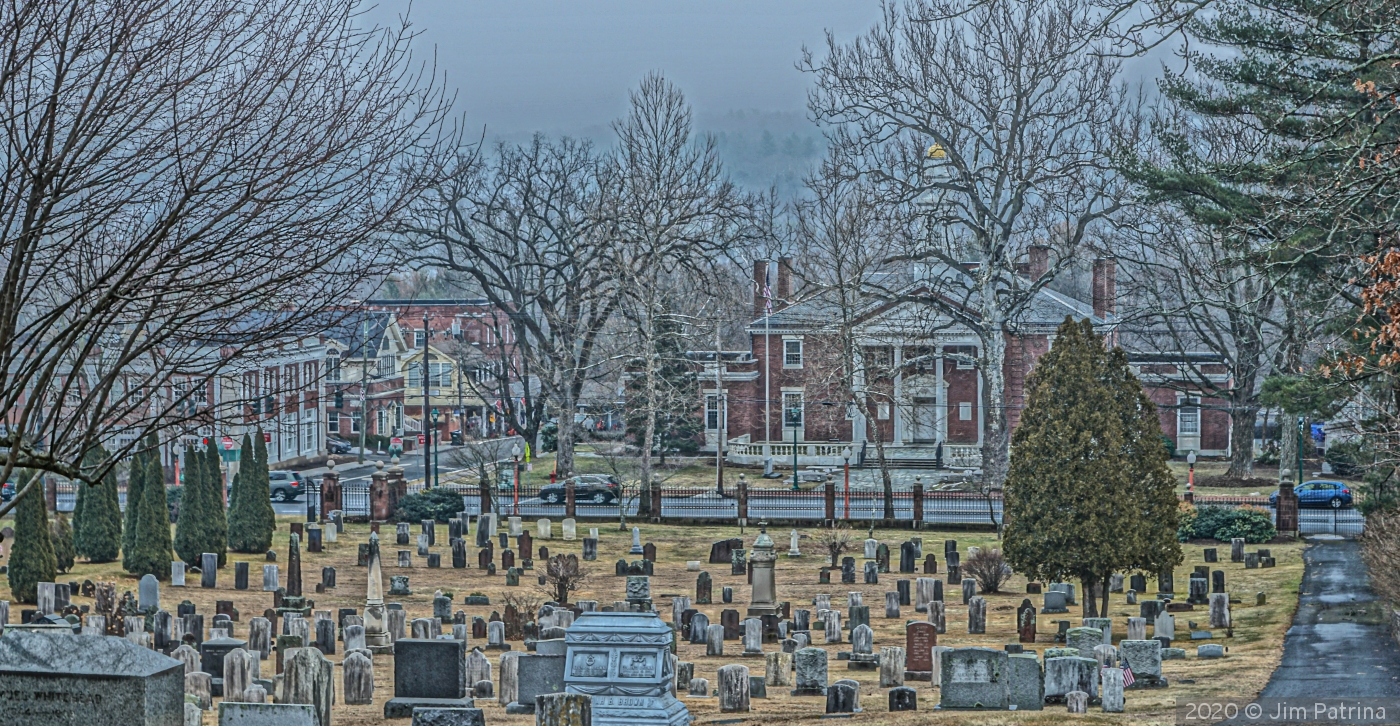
185,185
1025,117
524,226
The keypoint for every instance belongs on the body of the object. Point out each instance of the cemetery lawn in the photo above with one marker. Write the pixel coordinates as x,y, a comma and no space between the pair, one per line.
1253,652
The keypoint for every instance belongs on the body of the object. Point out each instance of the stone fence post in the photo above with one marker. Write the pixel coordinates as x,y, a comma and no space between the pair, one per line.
655,502
742,498
330,493
829,494
918,503
379,508
570,504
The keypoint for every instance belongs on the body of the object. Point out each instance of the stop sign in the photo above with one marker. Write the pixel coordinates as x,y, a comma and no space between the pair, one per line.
227,441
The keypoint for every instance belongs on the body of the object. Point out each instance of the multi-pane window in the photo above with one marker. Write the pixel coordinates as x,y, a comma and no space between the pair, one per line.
308,431
965,411
415,374
355,423
792,354
419,338
333,423
1188,417
289,435
792,410
440,375
712,412
966,356
333,369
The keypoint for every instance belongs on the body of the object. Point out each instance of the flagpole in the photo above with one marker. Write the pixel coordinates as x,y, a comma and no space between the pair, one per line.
767,356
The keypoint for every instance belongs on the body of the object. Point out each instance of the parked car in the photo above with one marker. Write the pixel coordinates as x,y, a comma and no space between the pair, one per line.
595,488
339,446
1332,494
284,486
7,491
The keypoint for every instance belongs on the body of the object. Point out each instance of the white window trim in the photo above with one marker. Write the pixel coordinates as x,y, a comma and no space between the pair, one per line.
965,411
783,414
801,353
1184,404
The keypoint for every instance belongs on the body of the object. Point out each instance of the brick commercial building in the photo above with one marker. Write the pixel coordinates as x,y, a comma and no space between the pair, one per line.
927,405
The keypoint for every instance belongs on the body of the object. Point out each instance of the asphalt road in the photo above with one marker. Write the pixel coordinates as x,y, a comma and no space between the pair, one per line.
1339,645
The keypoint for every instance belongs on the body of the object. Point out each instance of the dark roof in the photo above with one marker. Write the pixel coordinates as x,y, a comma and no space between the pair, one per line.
1046,308
350,329
431,302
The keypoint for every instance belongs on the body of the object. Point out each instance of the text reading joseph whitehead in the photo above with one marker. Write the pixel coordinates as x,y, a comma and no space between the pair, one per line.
1289,711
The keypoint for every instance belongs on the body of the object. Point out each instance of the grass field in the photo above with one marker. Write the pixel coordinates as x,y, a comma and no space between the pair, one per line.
1253,651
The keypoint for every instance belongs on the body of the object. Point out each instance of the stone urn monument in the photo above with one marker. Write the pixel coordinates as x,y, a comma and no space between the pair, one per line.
623,661
764,600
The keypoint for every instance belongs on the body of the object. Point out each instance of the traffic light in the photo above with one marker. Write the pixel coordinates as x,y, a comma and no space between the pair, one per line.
257,406
339,398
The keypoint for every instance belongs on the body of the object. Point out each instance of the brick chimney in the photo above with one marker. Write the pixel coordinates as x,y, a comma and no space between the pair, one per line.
782,292
1039,262
1105,287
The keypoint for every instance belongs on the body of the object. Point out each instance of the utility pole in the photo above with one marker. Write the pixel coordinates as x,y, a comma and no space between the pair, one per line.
427,432
720,411
364,383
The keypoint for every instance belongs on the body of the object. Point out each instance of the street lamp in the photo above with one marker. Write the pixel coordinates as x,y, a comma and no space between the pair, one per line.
436,480
515,453
847,456
1191,472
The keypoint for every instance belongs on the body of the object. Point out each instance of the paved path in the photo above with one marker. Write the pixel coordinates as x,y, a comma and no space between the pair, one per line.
1339,645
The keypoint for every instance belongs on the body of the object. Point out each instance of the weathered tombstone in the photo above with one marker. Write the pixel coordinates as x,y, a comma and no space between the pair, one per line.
428,673
149,593
1237,549
699,628
1219,610
733,689
1054,602
892,664
134,685
930,564
208,570
777,669
1084,640
1164,626
270,578
177,573
936,616
1025,682
841,698
1137,629
919,640
1077,702
1144,658
1067,674
977,615
1025,621
810,665
974,678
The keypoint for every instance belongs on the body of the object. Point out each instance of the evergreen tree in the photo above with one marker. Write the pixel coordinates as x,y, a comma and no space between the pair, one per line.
194,511
97,517
1085,492
152,548
216,532
135,485
32,558
261,488
62,535
249,511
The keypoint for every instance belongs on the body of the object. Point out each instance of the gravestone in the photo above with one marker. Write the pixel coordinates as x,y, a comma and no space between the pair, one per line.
872,573
308,678
810,665
1144,658
919,640
428,673
1025,682
209,570
240,575
977,615
53,679
842,698
622,661
892,664
1025,621
699,624
1054,602
733,689
1066,674
149,589
974,678
903,698
930,564
536,674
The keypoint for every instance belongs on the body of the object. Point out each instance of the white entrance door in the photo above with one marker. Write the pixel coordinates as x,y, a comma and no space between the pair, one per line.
925,423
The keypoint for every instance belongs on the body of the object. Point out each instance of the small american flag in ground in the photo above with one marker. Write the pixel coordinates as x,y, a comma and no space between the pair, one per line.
1128,679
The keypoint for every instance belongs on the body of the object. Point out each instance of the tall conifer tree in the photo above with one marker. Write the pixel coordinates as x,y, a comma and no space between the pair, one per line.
249,511
135,485
216,534
152,549
1079,501
97,518
32,558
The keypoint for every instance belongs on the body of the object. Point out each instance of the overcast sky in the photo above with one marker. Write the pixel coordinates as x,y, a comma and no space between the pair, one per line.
566,65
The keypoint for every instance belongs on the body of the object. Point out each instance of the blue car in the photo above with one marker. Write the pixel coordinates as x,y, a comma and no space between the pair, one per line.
1319,493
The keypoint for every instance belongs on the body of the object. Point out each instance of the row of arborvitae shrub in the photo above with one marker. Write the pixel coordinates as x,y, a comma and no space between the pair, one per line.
1254,524
437,504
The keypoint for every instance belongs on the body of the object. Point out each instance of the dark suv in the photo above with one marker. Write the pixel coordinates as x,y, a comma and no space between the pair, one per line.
595,488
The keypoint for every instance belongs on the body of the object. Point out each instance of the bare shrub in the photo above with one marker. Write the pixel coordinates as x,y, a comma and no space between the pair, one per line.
563,575
836,541
988,568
